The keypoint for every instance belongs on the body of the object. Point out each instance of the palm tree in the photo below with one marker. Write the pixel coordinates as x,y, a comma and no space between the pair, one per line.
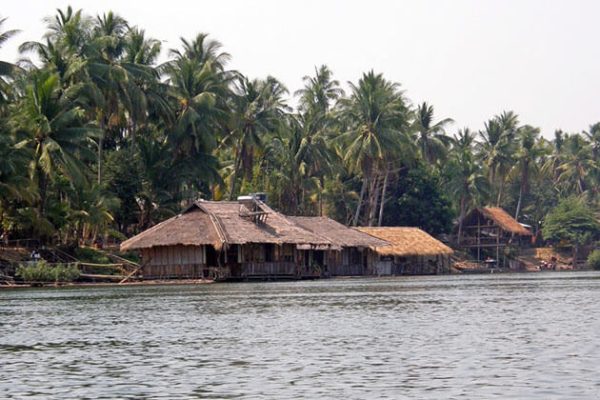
375,117
14,184
466,180
92,53
315,126
555,159
319,92
497,149
593,136
258,108
7,69
56,132
138,49
432,138
91,212
161,178
70,29
295,164
203,50
576,165
530,150
198,90
114,82
199,86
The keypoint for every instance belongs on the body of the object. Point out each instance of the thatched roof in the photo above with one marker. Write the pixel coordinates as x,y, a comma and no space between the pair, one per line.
192,228
407,241
340,235
221,223
504,221
277,228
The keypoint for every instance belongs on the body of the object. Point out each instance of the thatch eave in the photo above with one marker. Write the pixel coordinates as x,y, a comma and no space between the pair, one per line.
406,242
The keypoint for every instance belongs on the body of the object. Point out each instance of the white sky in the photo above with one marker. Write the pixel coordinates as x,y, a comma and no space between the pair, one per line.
470,59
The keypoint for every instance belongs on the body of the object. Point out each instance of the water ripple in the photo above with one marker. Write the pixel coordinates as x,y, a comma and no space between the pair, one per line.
502,336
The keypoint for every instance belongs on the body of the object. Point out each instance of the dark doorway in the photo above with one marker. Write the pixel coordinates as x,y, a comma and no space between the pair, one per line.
212,257
232,261
269,252
319,257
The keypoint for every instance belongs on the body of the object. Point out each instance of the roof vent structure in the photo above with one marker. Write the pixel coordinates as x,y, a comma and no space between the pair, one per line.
251,210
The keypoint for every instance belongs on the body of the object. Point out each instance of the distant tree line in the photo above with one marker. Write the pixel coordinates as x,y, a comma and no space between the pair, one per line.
97,139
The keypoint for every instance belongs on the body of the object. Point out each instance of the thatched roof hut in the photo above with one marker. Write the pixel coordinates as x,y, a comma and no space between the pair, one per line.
406,242
504,220
338,234
192,228
224,223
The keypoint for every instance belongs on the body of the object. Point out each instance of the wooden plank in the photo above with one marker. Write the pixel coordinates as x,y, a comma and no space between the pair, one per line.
101,277
130,275
198,255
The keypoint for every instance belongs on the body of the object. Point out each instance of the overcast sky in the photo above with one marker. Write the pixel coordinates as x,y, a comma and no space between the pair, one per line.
470,59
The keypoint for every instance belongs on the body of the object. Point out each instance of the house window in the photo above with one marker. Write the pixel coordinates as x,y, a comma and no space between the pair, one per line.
269,250
355,256
288,253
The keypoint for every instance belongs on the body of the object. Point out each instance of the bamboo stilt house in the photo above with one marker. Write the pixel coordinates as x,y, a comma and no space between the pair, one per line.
486,231
227,239
411,251
351,252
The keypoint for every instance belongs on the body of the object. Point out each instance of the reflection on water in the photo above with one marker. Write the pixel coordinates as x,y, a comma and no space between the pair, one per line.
475,337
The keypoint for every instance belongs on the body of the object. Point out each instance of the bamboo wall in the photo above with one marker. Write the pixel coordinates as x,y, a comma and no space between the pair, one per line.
414,265
255,260
351,261
174,262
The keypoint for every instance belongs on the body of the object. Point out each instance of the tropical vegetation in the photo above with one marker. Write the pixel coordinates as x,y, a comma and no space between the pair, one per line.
101,139
40,271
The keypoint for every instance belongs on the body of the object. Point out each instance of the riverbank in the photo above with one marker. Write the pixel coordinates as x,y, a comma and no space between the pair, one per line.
192,282
169,282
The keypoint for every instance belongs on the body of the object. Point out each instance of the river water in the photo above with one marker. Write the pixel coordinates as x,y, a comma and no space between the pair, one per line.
509,336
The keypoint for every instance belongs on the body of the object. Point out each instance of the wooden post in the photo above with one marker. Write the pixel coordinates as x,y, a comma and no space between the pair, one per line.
498,233
478,237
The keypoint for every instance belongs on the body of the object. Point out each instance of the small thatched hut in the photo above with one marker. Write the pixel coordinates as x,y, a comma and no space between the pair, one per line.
411,251
351,252
177,247
227,239
489,229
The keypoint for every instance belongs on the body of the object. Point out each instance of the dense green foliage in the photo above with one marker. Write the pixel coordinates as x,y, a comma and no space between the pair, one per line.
97,139
89,255
418,200
40,271
594,259
571,222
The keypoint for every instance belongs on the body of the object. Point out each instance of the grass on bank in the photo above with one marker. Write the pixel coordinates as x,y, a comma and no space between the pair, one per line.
41,271
594,259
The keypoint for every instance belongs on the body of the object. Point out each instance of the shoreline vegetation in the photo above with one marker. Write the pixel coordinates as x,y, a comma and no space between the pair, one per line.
192,282
99,141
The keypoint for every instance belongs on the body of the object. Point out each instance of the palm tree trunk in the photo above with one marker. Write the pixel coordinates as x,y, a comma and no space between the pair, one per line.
321,197
100,145
463,210
373,200
42,188
519,202
383,190
363,189
236,166
133,132
500,190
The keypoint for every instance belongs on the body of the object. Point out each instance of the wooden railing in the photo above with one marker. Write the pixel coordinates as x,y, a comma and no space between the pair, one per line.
349,270
482,241
279,268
